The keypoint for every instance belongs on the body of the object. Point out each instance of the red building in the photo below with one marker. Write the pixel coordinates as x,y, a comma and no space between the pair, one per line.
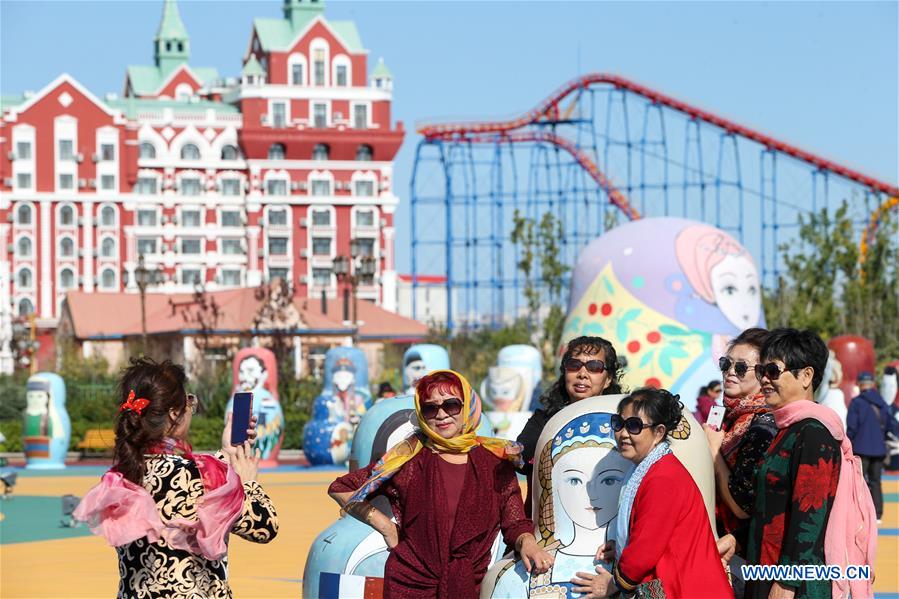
225,181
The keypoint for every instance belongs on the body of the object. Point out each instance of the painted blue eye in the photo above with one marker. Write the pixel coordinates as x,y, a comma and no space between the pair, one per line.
610,481
574,481
730,290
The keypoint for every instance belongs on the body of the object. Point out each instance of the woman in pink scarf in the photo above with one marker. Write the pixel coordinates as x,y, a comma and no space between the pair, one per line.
812,506
167,511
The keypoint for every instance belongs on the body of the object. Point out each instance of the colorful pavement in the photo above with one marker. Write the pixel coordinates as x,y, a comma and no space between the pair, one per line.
39,558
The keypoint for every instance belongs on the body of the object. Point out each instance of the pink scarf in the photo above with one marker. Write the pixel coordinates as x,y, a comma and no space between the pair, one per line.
851,536
123,512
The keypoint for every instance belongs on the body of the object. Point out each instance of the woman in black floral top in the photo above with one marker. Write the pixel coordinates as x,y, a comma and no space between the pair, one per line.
168,511
797,481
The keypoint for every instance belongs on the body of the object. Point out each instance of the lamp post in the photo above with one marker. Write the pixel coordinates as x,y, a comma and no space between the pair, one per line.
143,278
352,270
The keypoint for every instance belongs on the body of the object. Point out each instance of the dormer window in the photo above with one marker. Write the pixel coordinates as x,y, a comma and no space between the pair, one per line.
147,150
276,152
230,152
190,152
319,67
320,152
341,75
296,74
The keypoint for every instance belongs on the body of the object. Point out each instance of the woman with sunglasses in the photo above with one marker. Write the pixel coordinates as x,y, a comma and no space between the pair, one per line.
663,540
450,491
739,446
166,510
809,488
589,368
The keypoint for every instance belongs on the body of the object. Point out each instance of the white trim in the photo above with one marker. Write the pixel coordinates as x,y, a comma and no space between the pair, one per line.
368,176
318,175
333,165
58,220
115,279
17,256
24,133
240,214
329,118
276,175
65,128
115,248
64,78
277,90
190,174
115,212
46,284
305,30
351,120
59,253
297,58
33,214
320,43
179,272
344,61
331,227
20,297
173,74
190,134
181,95
270,115
74,270
365,230
191,208
16,274
146,173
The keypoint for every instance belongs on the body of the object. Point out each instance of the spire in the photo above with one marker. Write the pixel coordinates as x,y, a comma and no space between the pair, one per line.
172,43
300,12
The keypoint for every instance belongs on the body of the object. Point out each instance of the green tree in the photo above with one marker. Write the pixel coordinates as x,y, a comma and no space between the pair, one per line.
830,288
544,273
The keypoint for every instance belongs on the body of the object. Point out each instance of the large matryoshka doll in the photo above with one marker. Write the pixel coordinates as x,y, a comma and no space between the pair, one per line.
255,369
578,474
668,293
856,355
328,436
509,388
420,360
349,554
47,428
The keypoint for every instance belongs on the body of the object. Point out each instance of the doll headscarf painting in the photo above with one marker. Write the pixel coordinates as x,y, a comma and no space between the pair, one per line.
669,293
391,462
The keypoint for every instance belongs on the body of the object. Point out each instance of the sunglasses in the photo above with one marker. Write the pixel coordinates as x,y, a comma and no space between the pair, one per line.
740,367
633,425
452,407
772,371
574,365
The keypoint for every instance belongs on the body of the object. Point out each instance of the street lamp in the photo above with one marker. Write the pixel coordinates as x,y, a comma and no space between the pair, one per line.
363,267
143,278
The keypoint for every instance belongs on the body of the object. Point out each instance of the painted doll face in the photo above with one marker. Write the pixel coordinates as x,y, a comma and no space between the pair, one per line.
414,371
588,480
251,374
505,392
343,380
37,402
735,283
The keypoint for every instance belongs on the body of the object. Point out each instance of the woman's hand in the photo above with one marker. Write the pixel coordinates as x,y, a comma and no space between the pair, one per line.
536,560
727,546
245,462
391,536
228,449
715,438
606,552
594,586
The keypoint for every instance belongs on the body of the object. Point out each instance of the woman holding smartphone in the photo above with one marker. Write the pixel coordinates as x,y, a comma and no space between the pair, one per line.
166,510
450,491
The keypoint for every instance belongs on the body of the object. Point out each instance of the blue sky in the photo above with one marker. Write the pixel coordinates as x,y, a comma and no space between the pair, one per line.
821,75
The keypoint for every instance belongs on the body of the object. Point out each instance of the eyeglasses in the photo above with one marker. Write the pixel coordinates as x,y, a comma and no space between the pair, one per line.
772,371
740,367
452,407
574,365
192,402
633,425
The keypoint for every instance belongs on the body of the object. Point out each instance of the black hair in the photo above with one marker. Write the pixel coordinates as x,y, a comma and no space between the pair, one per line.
163,385
754,337
889,370
412,357
658,405
557,397
385,387
712,385
797,349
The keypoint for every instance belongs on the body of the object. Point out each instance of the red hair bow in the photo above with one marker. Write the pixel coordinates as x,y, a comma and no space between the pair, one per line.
137,405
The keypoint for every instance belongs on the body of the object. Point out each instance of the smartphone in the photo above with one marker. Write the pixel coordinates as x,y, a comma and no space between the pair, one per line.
716,417
242,407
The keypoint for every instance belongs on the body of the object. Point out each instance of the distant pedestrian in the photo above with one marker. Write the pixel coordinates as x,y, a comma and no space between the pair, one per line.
867,424
708,397
386,390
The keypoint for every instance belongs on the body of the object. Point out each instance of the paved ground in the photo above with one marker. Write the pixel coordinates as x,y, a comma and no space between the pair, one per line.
38,558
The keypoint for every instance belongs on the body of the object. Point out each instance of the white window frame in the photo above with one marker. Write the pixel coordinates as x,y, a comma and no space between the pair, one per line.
271,113
115,248
146,174
65,127
298,58
267,220
74,254
375,218
29,299
200,250
151,144
352,116
344,61
240,276
115,215
327,105
24,133
74,271
190,175
220,217
221,246
58,219
179,274
276,175
16,254
156,239
140,209
108,168
321,176
320,44
115,279
19,270
332,219
191,208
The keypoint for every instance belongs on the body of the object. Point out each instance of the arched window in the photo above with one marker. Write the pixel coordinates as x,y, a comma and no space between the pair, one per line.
320,152
230,152
23,248
276,152
66,279
107,247
66,247
147,150
363,152
25,307
190,152
23,214
66,215
107,279
23,279
107,216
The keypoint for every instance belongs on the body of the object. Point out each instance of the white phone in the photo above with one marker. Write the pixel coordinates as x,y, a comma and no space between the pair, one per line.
716,417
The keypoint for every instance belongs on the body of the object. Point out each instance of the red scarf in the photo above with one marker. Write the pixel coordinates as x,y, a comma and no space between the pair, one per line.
738,415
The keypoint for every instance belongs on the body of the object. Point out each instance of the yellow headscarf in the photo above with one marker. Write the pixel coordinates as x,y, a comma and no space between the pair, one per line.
393,460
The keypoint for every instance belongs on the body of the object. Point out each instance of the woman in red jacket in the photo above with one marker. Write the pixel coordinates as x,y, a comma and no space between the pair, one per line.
664,541
450,491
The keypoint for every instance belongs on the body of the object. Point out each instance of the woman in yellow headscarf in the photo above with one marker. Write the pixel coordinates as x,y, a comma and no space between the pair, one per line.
450,491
